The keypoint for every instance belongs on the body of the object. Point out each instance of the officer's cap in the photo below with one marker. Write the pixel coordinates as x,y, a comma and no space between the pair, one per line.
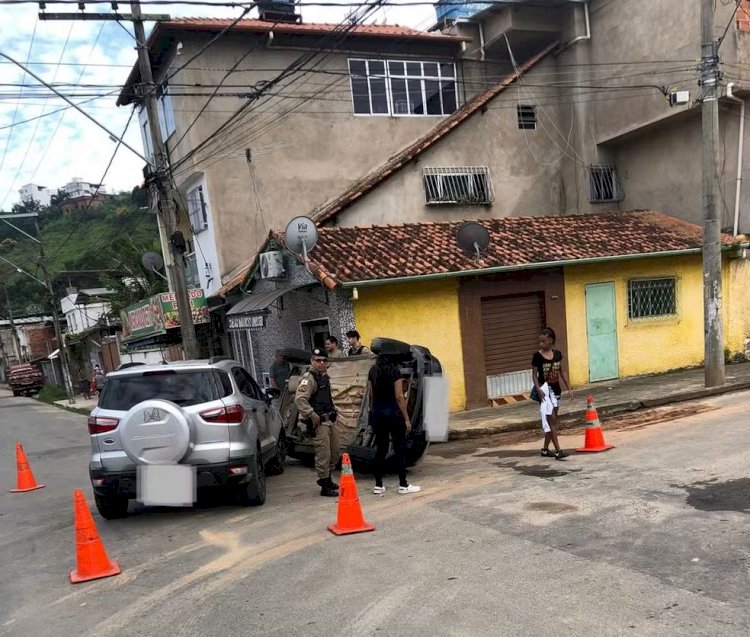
320,353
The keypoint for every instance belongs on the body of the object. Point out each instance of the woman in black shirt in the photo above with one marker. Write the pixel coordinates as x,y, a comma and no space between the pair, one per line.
390,419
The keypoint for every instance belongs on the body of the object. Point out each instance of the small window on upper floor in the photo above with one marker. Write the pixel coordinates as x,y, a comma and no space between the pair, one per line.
650,298
402,88
166,114
604,185
197,211
526,116
460,185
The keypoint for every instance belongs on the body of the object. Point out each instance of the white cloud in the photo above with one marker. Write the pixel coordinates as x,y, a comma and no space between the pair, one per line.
79,148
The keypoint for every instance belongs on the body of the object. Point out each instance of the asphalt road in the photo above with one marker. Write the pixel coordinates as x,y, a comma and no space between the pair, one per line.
647,539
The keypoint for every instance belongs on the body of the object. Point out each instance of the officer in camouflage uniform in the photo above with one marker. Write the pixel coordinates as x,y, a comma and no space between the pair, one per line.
317,414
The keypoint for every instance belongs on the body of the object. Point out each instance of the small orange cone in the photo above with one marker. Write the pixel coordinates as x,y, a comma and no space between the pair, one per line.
25,477
350,518
92,561
594,436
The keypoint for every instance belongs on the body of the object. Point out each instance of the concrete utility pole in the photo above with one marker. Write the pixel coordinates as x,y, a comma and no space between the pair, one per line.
163,195
712,298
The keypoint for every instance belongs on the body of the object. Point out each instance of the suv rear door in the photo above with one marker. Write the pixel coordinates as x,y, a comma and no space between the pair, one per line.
257,405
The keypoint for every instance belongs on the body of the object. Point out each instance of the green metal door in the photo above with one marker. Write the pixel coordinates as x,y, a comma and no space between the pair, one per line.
601,328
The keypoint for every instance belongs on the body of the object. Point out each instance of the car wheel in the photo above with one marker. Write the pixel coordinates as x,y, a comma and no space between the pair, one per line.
253,492
275,466
111,507
15,393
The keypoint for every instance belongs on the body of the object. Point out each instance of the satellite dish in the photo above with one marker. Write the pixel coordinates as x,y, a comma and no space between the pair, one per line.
152,261
474,238
301,235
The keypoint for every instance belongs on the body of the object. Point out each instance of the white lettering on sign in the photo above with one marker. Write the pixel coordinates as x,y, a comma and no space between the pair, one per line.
247,322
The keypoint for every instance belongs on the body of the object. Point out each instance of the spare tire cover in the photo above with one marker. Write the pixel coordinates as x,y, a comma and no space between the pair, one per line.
155,432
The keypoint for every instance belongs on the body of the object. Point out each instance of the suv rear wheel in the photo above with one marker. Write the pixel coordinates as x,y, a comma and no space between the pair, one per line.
111,507
253,492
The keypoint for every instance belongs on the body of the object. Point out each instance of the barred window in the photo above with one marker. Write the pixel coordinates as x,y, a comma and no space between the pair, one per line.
196,204
603,184
652,297
526,116
460,185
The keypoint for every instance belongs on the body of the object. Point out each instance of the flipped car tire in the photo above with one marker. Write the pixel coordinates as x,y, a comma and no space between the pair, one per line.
111,507
253,492
155,432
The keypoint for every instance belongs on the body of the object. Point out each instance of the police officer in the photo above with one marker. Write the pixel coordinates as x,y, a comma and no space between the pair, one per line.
318,413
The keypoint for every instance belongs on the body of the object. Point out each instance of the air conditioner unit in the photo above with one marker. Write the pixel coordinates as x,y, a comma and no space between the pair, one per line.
272,265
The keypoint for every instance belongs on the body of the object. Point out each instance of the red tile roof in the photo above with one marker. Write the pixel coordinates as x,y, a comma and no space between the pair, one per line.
427,249
386,170
305,28
743,16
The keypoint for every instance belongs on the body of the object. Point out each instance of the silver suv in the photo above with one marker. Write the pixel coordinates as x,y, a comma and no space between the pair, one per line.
209,414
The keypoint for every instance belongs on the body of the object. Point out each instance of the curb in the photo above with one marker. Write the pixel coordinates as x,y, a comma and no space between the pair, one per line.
572,419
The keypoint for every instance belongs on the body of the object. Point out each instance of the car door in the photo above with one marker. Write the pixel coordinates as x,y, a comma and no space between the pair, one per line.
256,404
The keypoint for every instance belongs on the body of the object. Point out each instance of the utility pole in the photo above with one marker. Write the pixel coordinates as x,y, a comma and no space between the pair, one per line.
163,195
712,297
16,341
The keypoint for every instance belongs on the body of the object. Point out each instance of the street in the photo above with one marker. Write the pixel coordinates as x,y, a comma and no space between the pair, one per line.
649,538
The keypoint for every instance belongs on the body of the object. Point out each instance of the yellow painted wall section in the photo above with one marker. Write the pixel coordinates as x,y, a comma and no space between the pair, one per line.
420,314
644,346
736,290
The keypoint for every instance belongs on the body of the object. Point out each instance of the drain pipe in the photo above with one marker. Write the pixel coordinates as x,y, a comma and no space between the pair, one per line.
740,149
587,35
481,41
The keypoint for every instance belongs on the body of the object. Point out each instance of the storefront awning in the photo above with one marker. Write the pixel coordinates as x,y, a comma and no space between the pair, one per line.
250,313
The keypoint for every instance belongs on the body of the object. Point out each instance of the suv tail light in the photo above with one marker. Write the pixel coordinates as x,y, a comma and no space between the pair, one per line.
102,425
234,414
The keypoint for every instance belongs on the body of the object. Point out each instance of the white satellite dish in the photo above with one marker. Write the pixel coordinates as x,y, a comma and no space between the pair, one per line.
153,262
301,236
473,237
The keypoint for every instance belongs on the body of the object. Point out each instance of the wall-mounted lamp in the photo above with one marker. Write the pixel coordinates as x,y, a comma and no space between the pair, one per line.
355,294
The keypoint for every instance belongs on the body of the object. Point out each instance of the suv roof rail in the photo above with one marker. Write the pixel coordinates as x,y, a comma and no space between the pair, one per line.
127,365
217,359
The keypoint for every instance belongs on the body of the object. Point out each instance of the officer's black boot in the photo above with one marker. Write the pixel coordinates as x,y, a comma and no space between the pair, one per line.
326,489
332,484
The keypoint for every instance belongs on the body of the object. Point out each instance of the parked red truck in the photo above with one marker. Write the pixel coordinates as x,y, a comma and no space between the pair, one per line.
24,379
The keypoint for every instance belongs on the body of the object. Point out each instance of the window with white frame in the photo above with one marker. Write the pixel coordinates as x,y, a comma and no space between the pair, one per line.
402,88
148,147
604,185
166,114
196,203
458,185
649,298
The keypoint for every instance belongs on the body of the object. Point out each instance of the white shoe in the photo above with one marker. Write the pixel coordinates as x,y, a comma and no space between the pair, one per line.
412,488
378,490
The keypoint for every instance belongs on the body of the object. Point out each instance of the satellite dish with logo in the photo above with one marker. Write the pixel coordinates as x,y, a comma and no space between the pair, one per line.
474,238
153,262
301,236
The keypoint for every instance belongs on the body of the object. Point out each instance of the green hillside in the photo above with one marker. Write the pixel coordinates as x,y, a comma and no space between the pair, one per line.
110,236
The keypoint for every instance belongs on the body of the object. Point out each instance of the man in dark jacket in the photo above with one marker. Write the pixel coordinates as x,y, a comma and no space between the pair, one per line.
317,415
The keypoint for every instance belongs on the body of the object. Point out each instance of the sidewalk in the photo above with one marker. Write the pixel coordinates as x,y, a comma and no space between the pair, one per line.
81,405
610,398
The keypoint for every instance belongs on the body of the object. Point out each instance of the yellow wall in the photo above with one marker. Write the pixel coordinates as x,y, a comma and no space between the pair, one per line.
736,292
645,345
420,314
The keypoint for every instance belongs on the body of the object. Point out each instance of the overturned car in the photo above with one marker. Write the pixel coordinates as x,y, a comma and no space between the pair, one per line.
426,399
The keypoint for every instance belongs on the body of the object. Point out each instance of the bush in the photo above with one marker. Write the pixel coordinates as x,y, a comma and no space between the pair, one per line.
51,394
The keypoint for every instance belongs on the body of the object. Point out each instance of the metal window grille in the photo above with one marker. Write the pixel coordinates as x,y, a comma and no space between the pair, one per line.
603,184
402,88
460,185
652,297
197,209
526,116
192,277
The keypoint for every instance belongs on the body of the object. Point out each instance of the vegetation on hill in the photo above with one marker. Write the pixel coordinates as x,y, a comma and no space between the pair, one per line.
110,236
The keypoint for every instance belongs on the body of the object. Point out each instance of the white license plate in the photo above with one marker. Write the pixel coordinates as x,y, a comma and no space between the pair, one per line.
166,485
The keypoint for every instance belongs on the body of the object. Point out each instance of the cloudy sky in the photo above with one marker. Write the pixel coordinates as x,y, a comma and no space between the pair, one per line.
52,149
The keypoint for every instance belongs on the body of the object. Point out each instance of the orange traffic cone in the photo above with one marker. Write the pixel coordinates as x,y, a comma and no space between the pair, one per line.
25,478
350,518
92,561
594,436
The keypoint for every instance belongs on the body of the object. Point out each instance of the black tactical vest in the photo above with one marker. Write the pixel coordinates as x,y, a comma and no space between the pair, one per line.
321,401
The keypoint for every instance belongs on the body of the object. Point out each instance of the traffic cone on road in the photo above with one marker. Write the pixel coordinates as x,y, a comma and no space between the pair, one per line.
350,518
594,436
25,478
92,561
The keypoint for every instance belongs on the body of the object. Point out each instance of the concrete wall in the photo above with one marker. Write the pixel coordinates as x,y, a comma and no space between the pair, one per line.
644,346
422,314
